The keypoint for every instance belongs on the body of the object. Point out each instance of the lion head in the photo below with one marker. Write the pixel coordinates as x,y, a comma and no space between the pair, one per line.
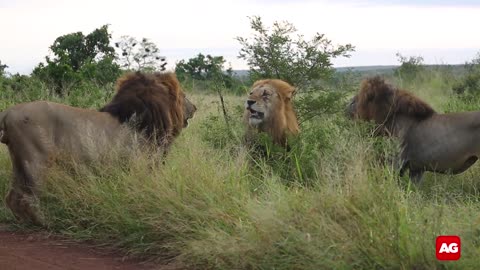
379,102
155,102
189,110
269,109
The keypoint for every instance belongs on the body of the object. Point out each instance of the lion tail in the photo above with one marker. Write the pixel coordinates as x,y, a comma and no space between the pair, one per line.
3,135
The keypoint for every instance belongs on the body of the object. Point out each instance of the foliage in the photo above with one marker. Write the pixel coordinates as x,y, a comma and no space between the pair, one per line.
22,88
202,67
139,56
275,53
327,97
319,102
410,67
209,71
206,68
3,67
469,84
76,55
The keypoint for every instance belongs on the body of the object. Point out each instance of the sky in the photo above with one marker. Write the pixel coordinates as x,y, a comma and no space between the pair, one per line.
442,32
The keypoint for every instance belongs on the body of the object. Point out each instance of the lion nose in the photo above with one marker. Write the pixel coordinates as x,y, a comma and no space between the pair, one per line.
250,102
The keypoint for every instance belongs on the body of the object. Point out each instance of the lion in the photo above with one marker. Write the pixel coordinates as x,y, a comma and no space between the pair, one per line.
269,109
151,107
430,141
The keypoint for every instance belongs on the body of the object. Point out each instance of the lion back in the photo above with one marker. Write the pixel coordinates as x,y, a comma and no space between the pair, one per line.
152,103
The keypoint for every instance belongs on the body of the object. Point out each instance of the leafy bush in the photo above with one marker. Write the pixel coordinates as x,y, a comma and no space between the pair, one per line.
3,67
21,88
410,67
275,53
208,72
78,57
470,83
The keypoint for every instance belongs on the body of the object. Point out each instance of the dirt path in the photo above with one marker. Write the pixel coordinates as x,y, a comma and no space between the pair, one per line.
37,251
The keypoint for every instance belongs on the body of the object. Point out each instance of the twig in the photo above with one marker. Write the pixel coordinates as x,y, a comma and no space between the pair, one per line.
222,102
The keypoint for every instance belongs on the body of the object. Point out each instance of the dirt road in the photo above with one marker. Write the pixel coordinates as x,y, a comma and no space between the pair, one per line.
36,251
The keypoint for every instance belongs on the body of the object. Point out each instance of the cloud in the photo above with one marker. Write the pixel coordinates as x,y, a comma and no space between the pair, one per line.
183,28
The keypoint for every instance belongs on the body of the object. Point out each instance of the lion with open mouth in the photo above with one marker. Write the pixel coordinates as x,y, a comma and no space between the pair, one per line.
269,109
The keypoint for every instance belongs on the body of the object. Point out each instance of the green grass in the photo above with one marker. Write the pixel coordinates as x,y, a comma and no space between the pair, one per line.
211,206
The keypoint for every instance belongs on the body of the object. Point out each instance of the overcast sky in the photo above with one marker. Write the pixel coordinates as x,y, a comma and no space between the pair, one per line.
441,31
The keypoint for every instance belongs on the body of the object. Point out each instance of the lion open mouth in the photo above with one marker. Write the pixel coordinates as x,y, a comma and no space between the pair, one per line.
256,114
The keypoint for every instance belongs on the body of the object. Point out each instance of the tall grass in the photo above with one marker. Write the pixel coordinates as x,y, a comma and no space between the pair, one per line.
211,206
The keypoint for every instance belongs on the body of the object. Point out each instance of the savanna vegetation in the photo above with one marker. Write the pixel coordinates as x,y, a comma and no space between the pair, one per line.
335,201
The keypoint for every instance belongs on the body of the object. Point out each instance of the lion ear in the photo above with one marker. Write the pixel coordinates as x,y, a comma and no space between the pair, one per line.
291,93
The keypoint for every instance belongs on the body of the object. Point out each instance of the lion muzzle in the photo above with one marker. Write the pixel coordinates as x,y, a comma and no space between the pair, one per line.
255,112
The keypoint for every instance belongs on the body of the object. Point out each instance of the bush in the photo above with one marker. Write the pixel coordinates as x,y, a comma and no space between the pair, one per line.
410,67
22,88
275,53
78,57
470,83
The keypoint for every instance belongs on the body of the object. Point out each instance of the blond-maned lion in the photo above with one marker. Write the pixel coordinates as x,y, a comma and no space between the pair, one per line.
269,109
148,106
430,141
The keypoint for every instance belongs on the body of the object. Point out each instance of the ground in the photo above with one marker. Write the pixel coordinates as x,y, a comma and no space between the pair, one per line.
26,251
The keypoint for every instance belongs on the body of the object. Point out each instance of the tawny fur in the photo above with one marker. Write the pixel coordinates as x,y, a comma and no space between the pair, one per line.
37,133
282,120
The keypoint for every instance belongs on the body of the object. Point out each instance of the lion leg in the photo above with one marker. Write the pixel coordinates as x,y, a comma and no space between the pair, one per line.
416,176
13,200
24,207
404,167
23,196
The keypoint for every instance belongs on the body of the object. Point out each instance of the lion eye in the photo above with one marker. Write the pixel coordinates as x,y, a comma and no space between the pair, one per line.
265,93
251,93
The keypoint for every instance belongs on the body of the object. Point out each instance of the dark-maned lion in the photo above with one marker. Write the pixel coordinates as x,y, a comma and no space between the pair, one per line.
152,107
269,109
444,143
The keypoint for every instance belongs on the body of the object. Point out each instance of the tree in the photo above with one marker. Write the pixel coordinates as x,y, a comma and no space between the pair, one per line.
206,68
201,67
3,67
143,55
76,55
276,53
410,67
469,83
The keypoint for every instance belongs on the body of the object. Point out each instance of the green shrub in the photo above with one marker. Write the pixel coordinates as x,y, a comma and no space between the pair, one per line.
410,67
469,84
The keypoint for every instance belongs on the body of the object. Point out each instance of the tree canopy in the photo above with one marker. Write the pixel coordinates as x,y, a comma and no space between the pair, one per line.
77,56
276,53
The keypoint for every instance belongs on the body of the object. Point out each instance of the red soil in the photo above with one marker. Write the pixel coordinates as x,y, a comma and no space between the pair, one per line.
20,251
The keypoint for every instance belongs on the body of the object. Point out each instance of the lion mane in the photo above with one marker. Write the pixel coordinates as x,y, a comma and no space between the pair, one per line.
154,100
269,109
430,141
380,101
147,108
